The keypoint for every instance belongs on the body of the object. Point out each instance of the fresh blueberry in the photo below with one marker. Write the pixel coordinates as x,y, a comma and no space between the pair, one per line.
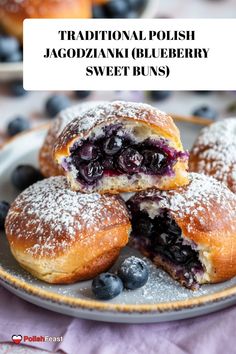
55,104
8,46
112,145
16,88
88,152
133,272
82,94
132,14
25,175
14,57
106,286
117,8
136,5
17,125
99,11
205,112
4,207
203,92
91,172
160,95
130,160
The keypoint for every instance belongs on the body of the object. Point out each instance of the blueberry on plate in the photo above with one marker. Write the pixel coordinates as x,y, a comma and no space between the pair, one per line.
82,94
203,92
136,5
14,57
133,271
117,9
16,88
8,46
132,14
99,11
24,176
56,104
17,125
4,207
159,95
205,112
106,286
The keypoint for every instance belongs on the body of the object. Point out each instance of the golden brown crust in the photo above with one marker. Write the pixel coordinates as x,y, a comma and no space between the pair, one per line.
116,112
214,152
12,12
48,166
61,236
205,210
145,117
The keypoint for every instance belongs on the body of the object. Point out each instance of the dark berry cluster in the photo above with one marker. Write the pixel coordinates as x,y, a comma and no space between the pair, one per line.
114,154
163,236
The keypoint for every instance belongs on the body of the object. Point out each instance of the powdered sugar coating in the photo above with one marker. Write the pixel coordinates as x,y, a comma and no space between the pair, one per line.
68,114
49,217
47,165
205,204
214,152
114,112
132,265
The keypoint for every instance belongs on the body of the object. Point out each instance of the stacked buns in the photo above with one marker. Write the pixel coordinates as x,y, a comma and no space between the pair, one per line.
72,227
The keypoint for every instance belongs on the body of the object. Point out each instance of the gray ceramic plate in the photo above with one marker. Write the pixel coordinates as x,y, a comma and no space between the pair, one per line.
161,299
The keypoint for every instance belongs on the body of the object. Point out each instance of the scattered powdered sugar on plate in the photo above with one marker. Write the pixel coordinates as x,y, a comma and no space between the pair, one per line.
159,288
214,152
52,216
162,288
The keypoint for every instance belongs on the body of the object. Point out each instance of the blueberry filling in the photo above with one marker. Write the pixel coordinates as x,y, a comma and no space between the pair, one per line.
161,237
114,152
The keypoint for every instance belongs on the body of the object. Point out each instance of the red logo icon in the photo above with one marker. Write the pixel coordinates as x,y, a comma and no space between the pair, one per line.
16,339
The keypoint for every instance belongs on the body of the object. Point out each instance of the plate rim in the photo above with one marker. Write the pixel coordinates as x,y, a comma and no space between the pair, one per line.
36,291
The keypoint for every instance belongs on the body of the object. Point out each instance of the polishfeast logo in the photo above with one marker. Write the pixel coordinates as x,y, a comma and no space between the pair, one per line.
18,338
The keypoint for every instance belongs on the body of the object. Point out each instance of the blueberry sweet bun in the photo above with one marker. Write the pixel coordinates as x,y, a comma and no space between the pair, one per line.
214,152
190,232
48,166
122,147
61,236
13,12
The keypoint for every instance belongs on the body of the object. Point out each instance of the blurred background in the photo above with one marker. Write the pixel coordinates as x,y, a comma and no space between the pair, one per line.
21,110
